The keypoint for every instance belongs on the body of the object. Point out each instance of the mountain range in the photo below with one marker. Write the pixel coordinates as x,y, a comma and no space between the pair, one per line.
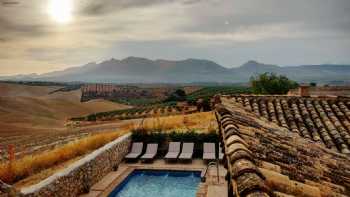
142,70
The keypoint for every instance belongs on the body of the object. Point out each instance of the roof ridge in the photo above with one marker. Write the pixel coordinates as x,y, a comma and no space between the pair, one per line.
245,178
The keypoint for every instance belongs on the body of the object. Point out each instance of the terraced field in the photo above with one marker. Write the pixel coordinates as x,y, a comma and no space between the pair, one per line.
208,92
137,112
25,144
324,120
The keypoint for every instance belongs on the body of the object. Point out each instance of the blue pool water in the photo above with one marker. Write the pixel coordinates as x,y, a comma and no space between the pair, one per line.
142,183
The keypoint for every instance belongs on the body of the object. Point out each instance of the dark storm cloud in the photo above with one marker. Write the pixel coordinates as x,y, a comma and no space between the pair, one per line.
17,23
94,8
8,27
91,7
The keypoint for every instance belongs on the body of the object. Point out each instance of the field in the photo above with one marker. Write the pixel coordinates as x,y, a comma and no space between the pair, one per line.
200,122
164,109
210,91
17,170
34,120
36,117
149,108
32,168
135,95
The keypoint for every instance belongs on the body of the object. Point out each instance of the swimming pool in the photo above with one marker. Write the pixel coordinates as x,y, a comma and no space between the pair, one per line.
145,183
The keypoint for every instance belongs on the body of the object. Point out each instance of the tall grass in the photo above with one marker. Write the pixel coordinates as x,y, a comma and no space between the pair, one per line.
204,121
11,172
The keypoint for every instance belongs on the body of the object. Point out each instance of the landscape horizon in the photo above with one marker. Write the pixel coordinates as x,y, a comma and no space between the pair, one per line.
174,98
142,70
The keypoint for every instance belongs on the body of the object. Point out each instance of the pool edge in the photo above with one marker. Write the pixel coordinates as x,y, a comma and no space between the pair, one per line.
123,175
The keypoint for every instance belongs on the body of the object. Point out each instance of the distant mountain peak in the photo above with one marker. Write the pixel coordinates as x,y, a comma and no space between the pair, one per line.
112,60
134,58
252,64
90,64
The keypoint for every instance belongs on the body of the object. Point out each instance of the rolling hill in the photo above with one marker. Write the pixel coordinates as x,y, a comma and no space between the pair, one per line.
32,109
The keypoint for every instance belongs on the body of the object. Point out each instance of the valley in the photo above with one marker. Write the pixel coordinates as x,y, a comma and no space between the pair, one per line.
35,120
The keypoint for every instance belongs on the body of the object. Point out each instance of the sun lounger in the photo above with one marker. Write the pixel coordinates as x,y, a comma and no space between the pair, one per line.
209,151
136,151
174,150
187,151
151,152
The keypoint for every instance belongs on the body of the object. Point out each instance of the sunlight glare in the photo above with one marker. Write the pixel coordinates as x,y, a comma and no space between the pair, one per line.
61,10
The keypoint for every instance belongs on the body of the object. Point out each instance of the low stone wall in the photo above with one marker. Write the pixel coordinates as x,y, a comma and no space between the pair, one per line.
323,91
81,175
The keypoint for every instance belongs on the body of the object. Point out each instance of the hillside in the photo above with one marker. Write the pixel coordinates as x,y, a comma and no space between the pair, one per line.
303,73
142,70
33,109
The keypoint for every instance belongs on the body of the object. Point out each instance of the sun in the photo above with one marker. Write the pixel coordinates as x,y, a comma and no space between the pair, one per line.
61,10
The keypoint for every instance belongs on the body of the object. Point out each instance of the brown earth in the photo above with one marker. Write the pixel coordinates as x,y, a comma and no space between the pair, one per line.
33,120
32,109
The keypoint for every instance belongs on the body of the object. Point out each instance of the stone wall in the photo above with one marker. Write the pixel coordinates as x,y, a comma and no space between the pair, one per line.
323,91
81,175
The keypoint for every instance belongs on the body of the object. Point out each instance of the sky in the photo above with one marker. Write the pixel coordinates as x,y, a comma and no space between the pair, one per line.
38,36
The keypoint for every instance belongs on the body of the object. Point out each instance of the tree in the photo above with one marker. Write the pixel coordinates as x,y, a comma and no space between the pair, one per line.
313,84
91,117
203,104
270,83
178,95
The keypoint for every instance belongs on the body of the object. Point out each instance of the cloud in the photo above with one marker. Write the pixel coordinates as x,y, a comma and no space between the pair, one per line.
226,31
11,29
308,16
101,7
22,21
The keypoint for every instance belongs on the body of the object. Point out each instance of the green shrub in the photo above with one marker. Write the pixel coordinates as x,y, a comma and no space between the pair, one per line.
178,95
139,135
162,139
157,137
270,83
91,117
78,119
313,84
190,136
208,92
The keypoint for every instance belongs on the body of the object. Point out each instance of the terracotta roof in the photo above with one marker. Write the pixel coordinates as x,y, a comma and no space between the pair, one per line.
321,119
267,159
